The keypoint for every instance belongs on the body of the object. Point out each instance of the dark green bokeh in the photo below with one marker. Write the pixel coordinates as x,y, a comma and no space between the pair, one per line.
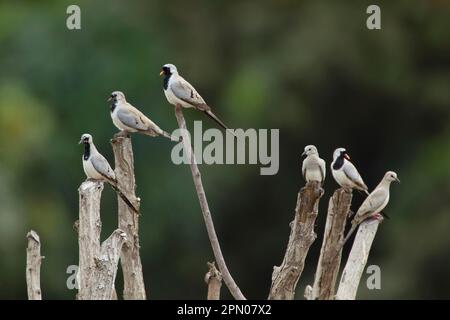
311,69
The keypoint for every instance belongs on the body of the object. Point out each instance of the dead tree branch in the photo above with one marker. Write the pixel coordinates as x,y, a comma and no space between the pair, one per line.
97,263
228,279
134,288
213,279
285,277
357,260
330,253
33,272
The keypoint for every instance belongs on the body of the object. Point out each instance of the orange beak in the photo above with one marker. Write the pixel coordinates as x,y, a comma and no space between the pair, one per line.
161,73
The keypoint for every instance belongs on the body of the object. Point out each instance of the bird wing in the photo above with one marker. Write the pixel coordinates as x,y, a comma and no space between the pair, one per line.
184,91
352,173
304,169
323,169
133,118
102,166
373,203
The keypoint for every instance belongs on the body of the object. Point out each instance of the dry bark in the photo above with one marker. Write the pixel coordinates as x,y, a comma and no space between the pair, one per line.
285,277
228,279
33,272
97,263
330,253
213,279
134,288
357,260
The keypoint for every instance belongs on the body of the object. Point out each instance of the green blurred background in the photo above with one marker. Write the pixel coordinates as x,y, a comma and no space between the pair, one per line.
310,68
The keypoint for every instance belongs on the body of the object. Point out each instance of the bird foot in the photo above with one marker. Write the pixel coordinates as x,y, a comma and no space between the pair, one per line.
377,216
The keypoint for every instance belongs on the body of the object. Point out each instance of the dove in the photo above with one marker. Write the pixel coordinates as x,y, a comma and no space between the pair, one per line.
375,202
345,173
96,167
313,168
127,118
180,92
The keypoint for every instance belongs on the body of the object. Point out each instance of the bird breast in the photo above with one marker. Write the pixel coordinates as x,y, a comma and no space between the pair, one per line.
341,178
90,171
313,174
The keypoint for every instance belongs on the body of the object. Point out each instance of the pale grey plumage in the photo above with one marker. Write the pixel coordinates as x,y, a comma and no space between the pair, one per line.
179,91
96,167
102,166
375,202
313,167
129,119
345,173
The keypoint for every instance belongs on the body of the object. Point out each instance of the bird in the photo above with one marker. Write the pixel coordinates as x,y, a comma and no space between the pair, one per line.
345,173
180,92
127,118
374,204
313,168
96,167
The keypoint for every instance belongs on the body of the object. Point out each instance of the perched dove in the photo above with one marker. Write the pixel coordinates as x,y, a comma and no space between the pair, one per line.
345,173
374,204
313,168
180,92
97,167
129,119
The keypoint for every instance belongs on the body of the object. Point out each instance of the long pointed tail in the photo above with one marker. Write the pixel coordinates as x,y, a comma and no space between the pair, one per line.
217,120
349,234
171,137
125,199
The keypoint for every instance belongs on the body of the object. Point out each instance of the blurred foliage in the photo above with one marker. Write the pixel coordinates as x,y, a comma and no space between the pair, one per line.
310,68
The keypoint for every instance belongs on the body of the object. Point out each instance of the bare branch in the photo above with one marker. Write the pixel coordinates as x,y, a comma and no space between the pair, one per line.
106,267
213,279
357,260
134,288
330,253
89,228
228,279
97,264
33,272
286,276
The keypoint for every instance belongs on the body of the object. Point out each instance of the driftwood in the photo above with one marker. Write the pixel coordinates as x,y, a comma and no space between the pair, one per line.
33,271
357,260
97,263
196,176
285,277
330,253
213,279
134,288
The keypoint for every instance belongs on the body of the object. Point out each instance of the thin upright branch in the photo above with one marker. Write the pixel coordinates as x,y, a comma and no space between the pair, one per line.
213,279
134,288
97,263
33,272
357,260
106,266
228,279
285,277
330,253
